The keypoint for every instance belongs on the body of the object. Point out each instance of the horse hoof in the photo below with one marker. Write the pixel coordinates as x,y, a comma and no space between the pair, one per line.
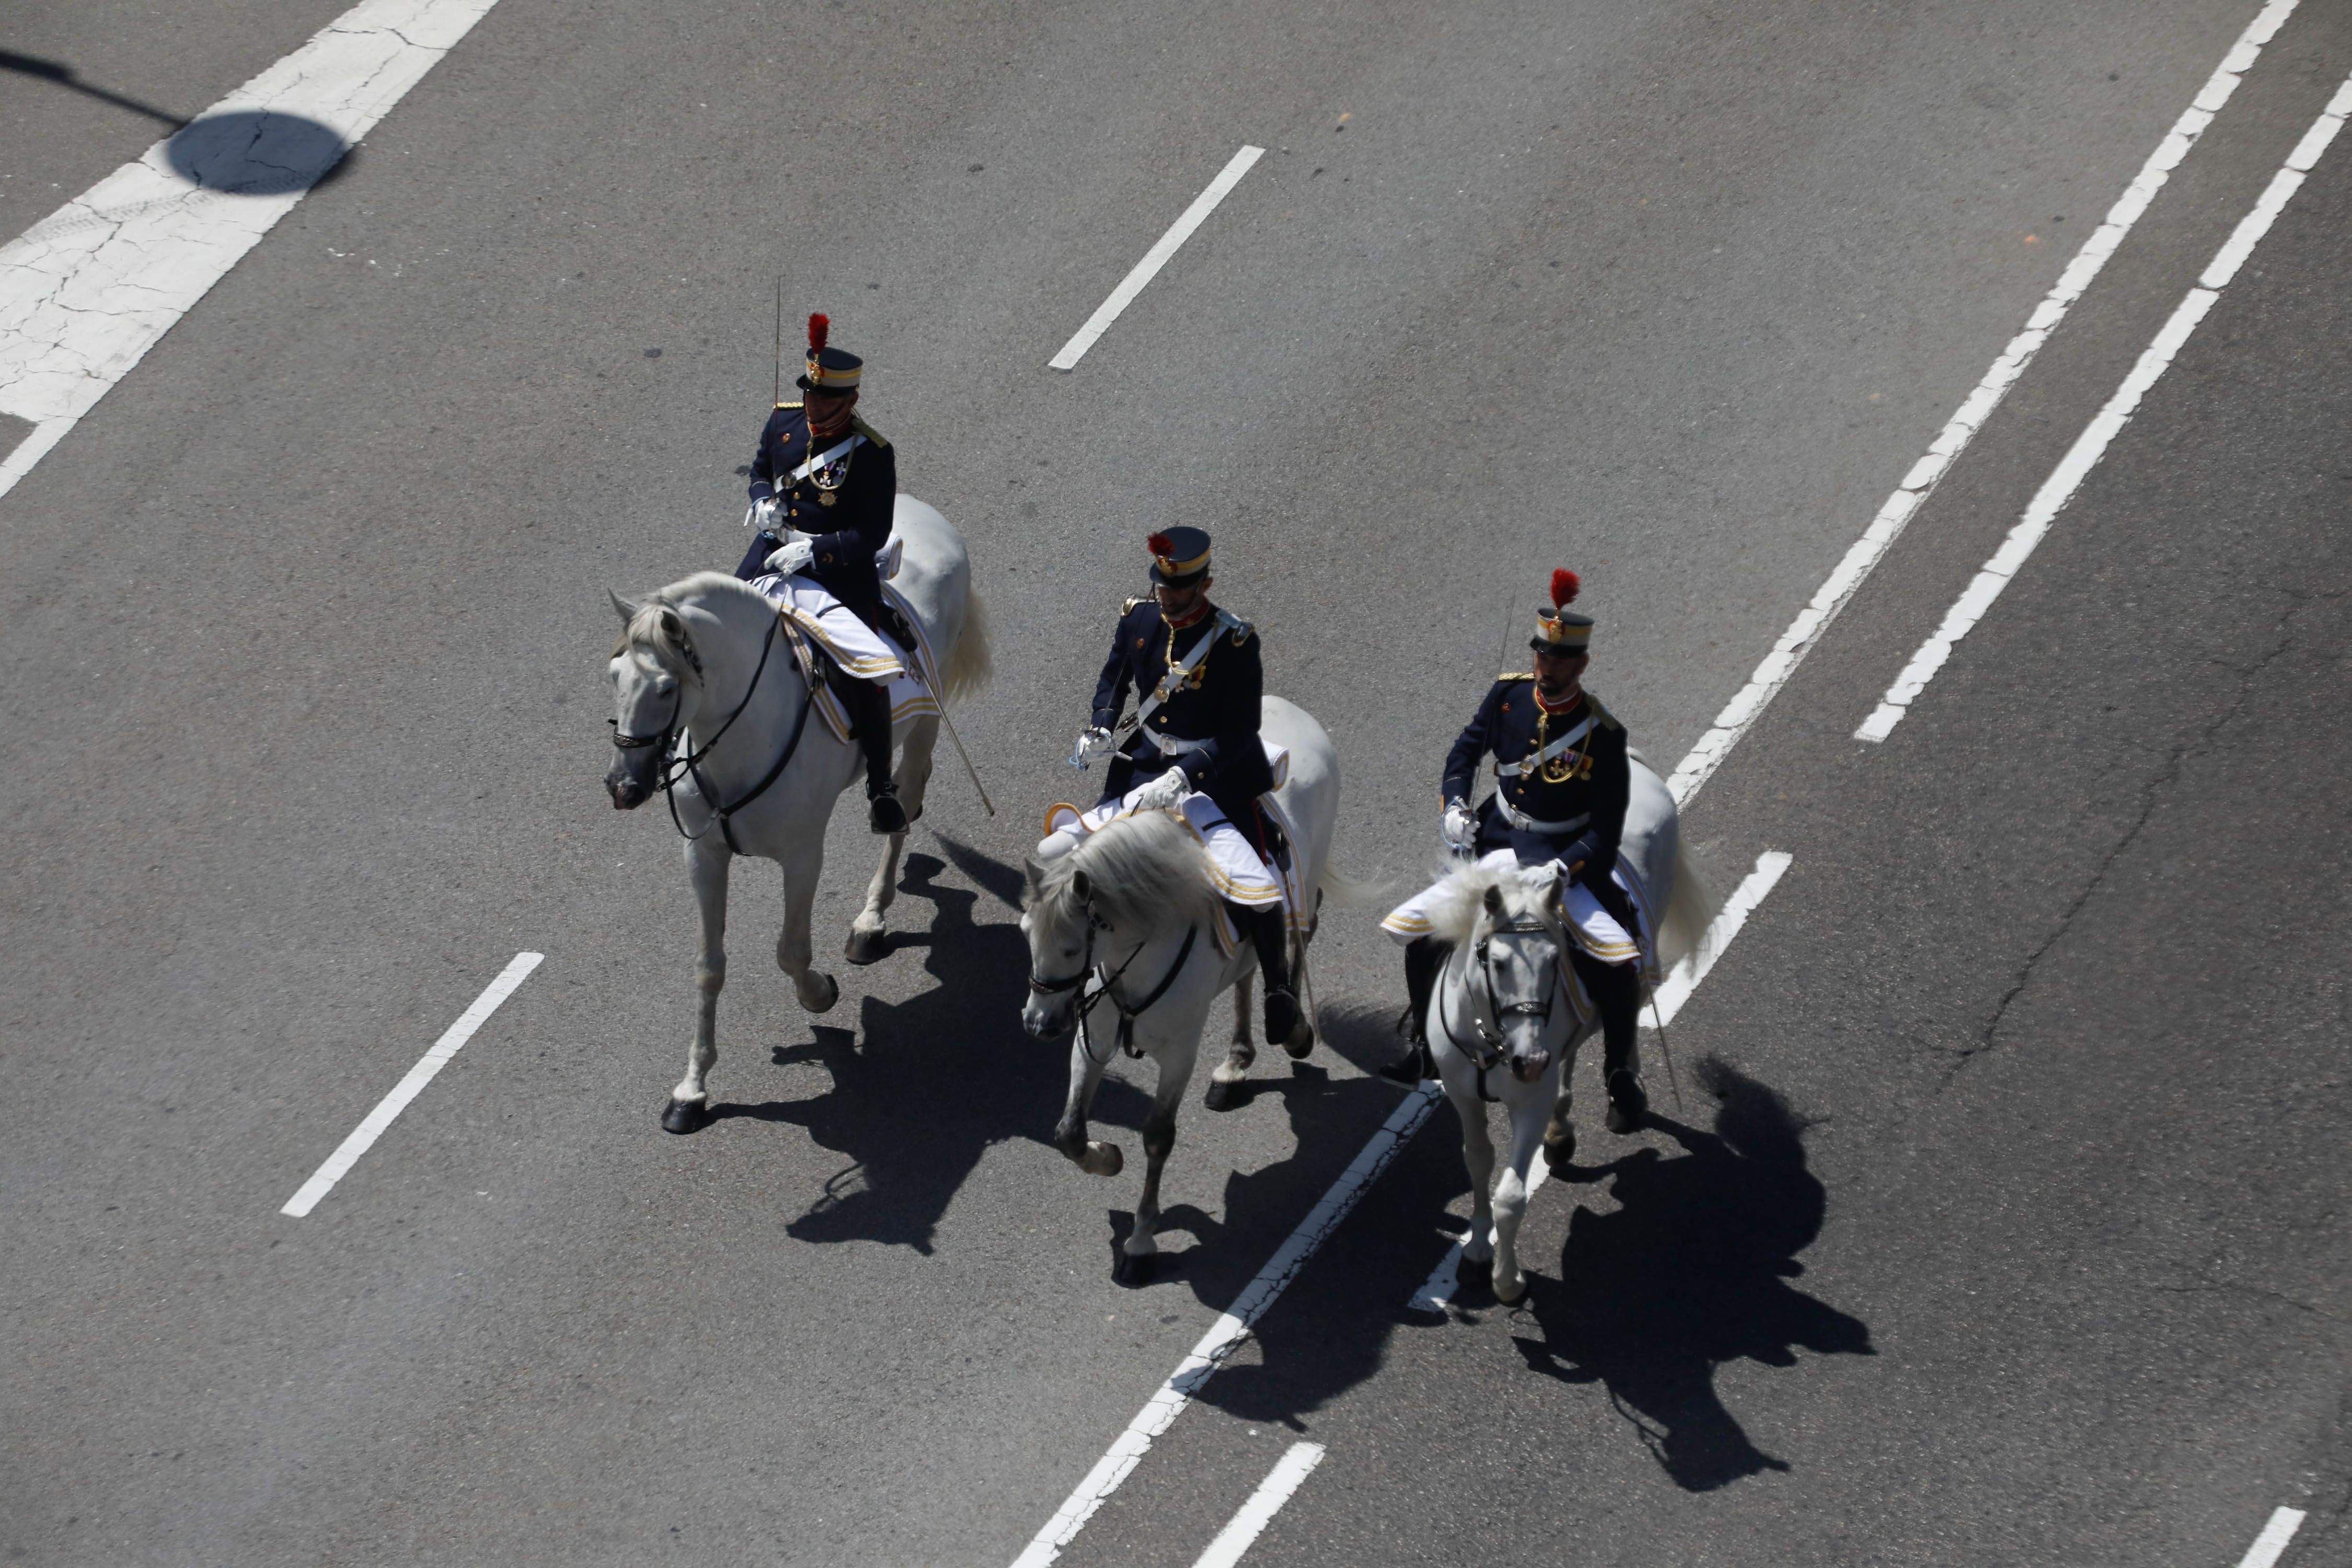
1560,1147
1477,1272
1134,1270
866,946
831,994
686,1116
1514,1296
1102,1160
1223,1096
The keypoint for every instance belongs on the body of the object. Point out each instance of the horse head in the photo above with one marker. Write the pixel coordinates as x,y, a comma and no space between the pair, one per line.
1057,916
656,679
1516,961
1098,905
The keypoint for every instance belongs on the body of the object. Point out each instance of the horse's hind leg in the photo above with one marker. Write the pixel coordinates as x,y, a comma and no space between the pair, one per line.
1227,1077
803,863
706,867
868,938
1137,1258
1070,1134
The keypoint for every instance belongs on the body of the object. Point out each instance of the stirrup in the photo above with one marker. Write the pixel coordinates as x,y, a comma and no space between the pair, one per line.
883,811
1411,1069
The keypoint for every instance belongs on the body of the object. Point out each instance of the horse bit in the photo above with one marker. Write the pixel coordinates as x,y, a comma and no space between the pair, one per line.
1086,1003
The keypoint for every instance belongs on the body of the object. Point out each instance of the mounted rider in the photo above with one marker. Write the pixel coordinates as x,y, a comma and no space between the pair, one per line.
823,487
1193,746
1562,779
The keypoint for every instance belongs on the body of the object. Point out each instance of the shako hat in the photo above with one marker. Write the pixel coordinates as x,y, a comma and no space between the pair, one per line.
1178,555
1559,629
828,369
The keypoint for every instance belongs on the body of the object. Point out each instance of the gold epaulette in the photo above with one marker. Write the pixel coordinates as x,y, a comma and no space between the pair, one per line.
795,404
1601,716
1129,608
862,428
1517,675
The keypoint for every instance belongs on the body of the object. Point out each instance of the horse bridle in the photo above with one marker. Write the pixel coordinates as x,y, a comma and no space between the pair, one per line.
683,766
1087,1002
1486,1052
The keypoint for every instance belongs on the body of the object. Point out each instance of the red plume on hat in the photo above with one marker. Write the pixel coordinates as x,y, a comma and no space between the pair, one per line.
1564,584
820,328
1160,544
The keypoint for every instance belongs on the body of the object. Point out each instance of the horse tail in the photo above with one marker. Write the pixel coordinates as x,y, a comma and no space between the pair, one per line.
1348,892
1689,911
973,661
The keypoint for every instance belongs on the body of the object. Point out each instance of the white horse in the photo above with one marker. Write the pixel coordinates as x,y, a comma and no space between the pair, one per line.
1499,1005
703,663
1134,907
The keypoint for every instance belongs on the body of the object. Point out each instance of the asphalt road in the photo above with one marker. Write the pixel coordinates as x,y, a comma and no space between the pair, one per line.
2004,1218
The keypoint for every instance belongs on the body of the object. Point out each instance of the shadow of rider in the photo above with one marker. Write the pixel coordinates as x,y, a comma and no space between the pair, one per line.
1691,1271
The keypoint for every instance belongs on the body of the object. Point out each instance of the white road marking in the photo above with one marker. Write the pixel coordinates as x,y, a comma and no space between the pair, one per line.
1236,1538
2272,1543
407,1088
2092,444
1833,594
1157,256
88,290
1438,1289
1229,1331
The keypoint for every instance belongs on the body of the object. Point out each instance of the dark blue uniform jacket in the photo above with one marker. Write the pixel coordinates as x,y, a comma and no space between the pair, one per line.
1600,777
1218,706
849,532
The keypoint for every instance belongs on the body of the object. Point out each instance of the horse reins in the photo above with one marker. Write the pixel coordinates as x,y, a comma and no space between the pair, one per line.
684,765
1487,1053
1087,1002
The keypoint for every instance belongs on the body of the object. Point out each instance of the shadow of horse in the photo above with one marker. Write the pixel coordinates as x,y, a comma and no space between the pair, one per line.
923,1087
1693,1270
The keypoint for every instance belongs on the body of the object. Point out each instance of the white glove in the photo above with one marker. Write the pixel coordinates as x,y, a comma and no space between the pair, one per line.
763,514
1162,792
1092,747
1460,829
795,557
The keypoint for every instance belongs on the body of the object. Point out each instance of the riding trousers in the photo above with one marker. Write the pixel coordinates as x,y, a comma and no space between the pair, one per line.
1241,877
1595,930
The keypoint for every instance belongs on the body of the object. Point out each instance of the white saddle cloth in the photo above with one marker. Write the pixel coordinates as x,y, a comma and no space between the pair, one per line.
861,651
1241,877
1594,928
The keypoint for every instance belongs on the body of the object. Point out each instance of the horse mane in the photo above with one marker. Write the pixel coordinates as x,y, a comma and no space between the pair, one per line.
645,630
1137,866
1461,902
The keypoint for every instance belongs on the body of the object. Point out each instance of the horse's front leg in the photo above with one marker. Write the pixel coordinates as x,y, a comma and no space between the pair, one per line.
1226,1079
804,864
1511,1192
1138,1258
869,938
1477,1264
1070,1134
706,868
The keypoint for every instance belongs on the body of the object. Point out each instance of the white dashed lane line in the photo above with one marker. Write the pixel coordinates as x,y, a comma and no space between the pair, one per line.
1238,1536
2272,1543
2105,427
1156,258
1834,594
451,1040
88,290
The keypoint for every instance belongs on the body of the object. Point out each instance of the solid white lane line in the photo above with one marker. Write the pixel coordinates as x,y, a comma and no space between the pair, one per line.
407,1088
1155,258
1229,1331
1438,1289
2092,444
88,290
2271,1544
1289,1471
1806,630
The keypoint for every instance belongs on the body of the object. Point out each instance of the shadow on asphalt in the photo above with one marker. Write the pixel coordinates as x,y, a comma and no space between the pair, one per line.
923,1087
1693,1270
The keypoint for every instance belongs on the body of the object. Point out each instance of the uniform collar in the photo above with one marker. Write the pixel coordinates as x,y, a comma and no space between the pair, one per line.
1201,611
1571,706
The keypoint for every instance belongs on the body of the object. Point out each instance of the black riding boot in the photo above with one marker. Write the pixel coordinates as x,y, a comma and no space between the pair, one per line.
1424,961
868,702
1270,934
1616,990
